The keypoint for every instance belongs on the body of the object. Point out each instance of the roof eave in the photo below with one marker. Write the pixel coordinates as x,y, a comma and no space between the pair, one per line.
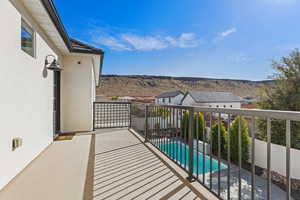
53,14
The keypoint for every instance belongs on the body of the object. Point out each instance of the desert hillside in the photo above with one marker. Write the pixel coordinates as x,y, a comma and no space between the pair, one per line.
142,85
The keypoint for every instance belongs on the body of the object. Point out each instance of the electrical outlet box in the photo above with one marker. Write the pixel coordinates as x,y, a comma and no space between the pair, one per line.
16,143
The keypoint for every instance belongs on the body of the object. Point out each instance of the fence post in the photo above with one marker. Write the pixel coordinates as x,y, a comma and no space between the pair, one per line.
146,123
191,143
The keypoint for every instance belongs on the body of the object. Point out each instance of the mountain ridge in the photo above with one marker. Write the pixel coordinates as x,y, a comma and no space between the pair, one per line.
153,85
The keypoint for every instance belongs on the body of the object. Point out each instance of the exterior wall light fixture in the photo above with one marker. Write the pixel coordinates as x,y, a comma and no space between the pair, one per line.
52,64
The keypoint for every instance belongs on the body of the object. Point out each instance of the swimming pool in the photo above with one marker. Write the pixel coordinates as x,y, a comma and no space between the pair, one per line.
180,153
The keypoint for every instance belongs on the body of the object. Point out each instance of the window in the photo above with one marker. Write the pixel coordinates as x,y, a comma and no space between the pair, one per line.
169,99
163,100
230,106
217,106
27,39
224,106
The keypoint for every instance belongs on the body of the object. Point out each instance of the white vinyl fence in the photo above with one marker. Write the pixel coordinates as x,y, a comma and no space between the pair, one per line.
278,158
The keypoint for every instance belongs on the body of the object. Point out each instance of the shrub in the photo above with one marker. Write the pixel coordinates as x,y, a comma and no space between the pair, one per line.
234,138
201,125
215,141
185,124
114,98
163,112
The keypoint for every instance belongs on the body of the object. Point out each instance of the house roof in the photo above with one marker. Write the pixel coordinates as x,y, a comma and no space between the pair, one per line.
204,97
81,47
169,94
73,45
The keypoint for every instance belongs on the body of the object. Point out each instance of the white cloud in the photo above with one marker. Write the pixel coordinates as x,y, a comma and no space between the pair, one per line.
112,43
281,2
228,32
144,43
239,59
186,40
129,41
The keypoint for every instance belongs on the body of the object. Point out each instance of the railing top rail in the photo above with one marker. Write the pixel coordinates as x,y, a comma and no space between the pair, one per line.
273,114
111,102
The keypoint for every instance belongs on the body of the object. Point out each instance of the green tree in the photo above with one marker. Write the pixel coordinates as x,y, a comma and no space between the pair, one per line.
234,140
284,96
215,141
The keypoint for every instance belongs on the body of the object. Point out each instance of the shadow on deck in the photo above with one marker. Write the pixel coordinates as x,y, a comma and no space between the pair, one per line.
126,169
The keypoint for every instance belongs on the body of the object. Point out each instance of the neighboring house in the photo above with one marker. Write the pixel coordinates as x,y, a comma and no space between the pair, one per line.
211,99
169,98
32,40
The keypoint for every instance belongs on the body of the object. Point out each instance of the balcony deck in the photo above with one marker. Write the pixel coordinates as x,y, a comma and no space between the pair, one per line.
107,164
126,169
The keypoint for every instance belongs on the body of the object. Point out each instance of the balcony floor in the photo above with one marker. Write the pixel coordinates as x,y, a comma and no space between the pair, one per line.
126,169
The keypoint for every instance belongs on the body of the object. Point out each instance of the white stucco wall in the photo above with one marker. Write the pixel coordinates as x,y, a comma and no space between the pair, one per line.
77,93
26,102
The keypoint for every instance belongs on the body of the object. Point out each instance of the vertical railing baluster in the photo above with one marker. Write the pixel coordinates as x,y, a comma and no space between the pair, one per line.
130,115
269,159
177,135
165,129
203,150
240,157
185,145
190,143
169,133
154,124
197,145
173,132
210,159
181,136
219,154
228,157
253,159
159,128
288,161
146,124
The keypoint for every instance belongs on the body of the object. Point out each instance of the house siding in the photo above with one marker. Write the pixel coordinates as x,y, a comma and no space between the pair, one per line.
26,96
189,101
174,100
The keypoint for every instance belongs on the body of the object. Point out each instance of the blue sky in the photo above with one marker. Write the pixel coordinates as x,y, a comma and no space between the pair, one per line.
235,39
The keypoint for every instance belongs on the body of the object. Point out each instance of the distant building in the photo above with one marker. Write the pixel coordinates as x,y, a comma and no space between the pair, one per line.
126,98
170,98
211,99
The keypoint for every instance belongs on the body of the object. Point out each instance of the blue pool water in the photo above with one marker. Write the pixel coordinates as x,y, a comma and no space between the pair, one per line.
180,153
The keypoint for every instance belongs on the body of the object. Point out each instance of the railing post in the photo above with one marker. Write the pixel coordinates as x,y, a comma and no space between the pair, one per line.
191,143
146,123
